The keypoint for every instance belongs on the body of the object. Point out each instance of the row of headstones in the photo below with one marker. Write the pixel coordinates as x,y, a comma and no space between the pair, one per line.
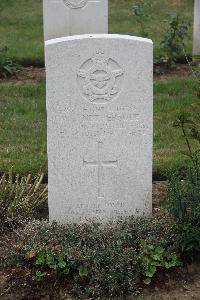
99,113
71,17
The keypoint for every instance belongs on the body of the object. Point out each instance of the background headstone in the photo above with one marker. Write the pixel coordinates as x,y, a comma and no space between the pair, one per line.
196,40
99,110
70,17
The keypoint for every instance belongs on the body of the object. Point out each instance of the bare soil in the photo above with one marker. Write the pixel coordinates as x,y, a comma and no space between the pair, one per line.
27,76
186,287
181,71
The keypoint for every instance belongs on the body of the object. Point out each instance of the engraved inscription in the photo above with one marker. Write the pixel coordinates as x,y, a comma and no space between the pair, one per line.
100,79
75,3
100,122
100,164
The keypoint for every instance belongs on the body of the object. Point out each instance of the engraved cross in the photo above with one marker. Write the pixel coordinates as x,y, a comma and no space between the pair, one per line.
100,164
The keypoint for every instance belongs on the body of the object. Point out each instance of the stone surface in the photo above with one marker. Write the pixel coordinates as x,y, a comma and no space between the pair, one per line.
70,17
196,40
99,110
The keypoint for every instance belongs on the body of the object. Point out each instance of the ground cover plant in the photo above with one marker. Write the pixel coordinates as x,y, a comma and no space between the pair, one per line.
94,260
22,19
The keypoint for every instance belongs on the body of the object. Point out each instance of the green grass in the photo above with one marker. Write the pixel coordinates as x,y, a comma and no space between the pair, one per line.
23,129
122,20
23,126
21,30
171,98
21,26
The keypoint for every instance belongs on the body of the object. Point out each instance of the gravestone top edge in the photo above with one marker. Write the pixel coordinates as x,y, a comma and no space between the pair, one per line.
97,36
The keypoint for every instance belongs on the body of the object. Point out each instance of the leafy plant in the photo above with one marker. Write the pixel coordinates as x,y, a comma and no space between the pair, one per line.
155,257
140,11
7,66
20,199
48,263
173,42
190,128
39,276
54,262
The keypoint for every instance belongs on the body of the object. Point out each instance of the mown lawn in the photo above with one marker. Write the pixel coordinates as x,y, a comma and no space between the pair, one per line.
21,28
23,129
170,99
23,126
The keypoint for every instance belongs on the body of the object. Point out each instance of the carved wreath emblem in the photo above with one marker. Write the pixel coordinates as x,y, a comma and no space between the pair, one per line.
75,3
100,78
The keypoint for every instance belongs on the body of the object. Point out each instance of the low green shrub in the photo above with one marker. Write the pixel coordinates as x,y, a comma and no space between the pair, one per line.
173,42
20,199
7,66
97,260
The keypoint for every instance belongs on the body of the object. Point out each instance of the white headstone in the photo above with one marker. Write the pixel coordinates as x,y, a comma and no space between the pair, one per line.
70,17
196,40
99,110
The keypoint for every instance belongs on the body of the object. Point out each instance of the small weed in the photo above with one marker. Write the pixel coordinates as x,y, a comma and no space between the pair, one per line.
39,276
190,128
155,257
7,66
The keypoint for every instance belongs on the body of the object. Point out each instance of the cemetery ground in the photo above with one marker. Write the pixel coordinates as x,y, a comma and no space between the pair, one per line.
22,101
156,258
